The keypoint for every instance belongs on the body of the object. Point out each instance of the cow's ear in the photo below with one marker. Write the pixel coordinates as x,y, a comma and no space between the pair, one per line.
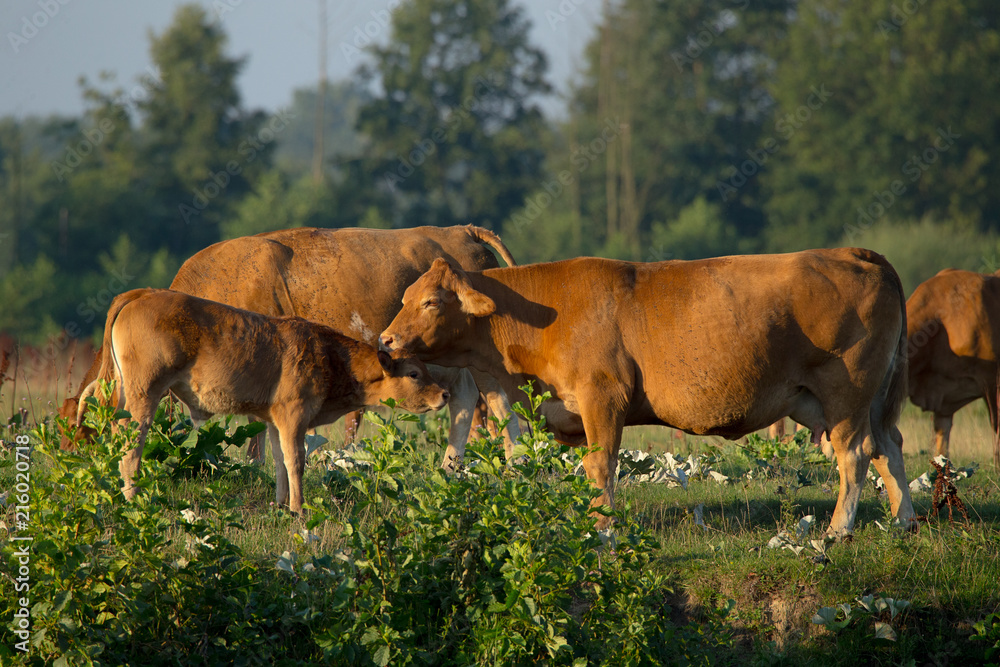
473,303
384,360
476,303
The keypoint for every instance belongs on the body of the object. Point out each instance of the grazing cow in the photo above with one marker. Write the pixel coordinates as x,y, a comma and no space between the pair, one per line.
349,279
953,322
292,373
719,346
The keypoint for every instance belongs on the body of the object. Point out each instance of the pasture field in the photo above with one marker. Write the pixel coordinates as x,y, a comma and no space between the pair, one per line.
388,569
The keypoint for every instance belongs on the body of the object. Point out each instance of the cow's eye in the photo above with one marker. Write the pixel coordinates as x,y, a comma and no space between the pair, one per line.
413,375
431,303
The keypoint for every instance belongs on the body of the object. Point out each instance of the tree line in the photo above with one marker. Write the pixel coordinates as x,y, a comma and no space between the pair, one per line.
694,129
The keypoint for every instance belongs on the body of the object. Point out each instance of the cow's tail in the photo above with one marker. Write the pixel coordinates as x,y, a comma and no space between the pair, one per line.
110,368
892,395
492,240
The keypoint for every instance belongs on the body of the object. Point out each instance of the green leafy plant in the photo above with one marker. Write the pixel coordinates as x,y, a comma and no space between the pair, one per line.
988,631
881,610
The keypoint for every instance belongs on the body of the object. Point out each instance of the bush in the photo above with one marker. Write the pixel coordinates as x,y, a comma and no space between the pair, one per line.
496,564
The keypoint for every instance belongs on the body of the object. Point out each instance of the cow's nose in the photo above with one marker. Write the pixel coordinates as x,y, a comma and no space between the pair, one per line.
445,396
385,340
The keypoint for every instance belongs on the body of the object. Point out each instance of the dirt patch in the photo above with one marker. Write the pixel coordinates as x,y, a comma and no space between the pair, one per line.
766,608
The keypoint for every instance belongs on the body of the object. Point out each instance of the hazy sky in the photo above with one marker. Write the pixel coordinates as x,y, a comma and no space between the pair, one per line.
48,44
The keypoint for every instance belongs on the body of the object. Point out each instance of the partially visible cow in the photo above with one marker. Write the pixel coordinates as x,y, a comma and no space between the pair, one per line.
720,346
289,372
349,279
953,322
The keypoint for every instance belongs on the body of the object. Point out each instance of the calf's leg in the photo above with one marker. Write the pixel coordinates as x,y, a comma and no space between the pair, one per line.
280,472
143,409
291,434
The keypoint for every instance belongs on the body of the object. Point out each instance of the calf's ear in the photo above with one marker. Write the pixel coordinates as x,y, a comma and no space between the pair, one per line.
384,360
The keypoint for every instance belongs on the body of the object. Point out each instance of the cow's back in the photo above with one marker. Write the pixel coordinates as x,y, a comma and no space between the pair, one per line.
349,279
954,334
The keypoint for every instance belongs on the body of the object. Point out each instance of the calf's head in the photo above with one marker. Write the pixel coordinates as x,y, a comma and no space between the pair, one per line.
438,314
405,379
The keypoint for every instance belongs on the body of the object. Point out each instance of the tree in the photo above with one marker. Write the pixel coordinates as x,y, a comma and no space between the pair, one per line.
201,149
294,151
455,135
902,128
674,106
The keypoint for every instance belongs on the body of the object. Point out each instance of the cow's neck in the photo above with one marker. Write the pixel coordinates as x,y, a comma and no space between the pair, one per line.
354,367
507,339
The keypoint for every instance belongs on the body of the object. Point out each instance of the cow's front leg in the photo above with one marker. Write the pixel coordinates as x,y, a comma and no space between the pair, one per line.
603,426
464,396
499,406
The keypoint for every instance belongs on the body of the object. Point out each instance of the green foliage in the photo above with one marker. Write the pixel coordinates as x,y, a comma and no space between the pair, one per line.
108,583
881,610
455,135
293,152
188,452
988,631
700,230
911,98
497,564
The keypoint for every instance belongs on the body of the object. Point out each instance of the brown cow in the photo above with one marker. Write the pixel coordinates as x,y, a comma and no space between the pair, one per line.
289,372
349,279
719,346
953,321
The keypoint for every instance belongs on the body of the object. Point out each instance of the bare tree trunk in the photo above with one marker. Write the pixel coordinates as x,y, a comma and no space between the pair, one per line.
320,99
605,98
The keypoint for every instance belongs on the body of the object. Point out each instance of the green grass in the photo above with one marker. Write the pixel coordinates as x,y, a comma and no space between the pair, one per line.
948,571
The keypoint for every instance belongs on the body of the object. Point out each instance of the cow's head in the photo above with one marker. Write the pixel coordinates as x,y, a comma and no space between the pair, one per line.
405,379
439,311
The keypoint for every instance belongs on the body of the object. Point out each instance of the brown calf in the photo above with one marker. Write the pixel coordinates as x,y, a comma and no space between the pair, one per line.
289,372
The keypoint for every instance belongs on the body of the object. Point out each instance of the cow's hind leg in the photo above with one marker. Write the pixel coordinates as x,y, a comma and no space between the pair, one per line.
991,405
851,440
143,410
888,462
942,434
